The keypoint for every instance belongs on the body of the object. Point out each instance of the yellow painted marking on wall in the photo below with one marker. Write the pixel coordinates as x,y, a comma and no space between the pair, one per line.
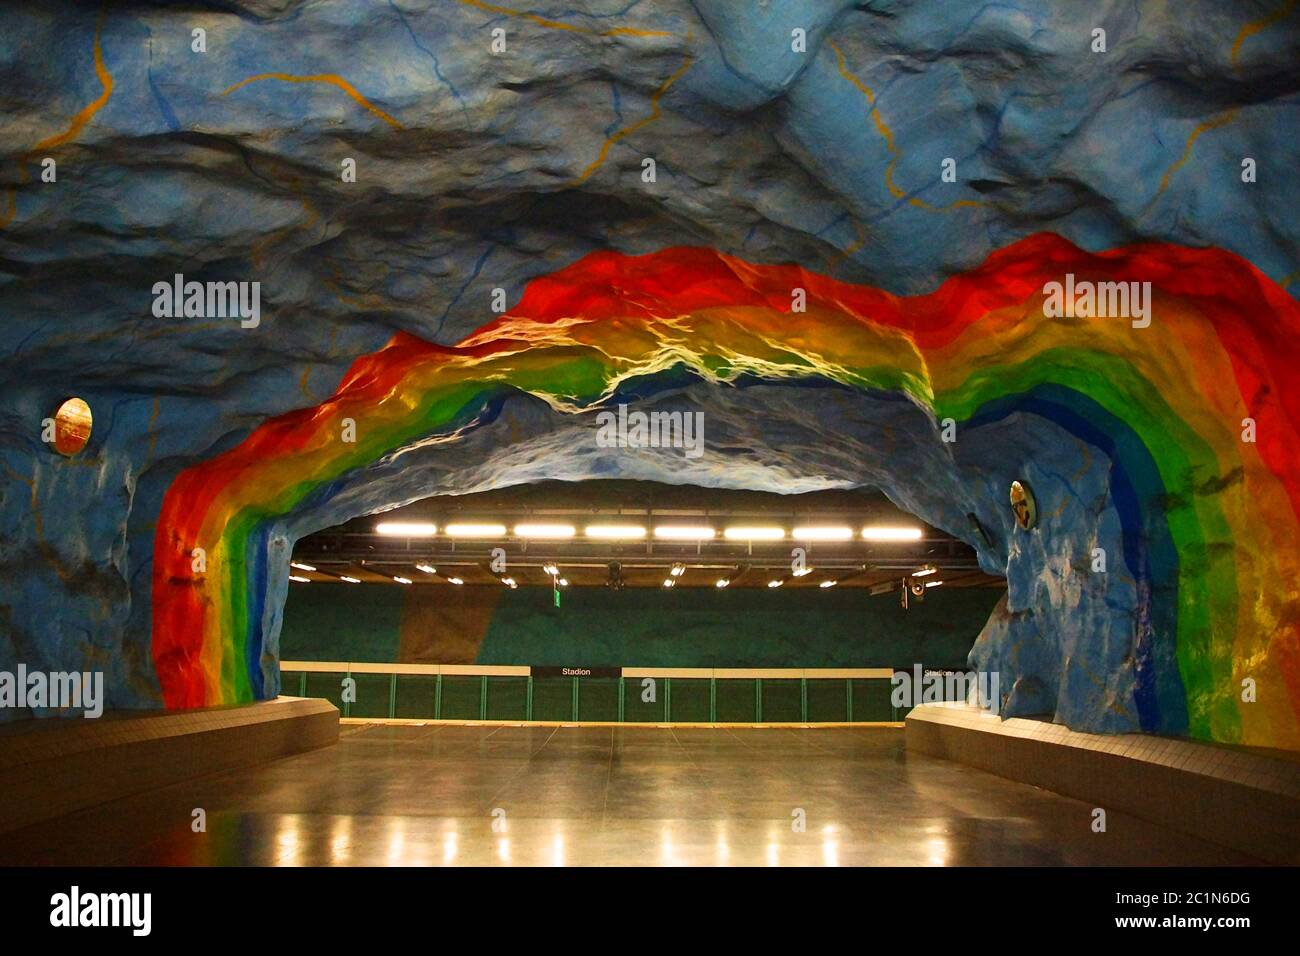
1222,119
330,78
887,135
655,113
1255,26
78,123
558,25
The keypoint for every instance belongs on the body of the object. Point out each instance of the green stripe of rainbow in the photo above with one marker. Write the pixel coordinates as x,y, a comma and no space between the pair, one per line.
1220,349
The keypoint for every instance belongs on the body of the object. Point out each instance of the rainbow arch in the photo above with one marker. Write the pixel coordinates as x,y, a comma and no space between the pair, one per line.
1209,520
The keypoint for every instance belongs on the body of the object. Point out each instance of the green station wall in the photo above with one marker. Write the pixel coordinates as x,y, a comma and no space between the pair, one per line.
682,627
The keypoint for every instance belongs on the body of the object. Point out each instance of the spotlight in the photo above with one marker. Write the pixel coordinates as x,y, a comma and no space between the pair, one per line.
564,582
300,566
680,532
670,582
426,568
473,530
300,580
823,533
401,580
344,577
775,584
802,571
933,584
678,570
828,584
550,568
922,572
509,582
722,583
407,529
891,533
455,580
545,531
747,533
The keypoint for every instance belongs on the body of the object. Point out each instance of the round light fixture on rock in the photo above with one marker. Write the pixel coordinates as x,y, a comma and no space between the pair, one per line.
1023,505
72,424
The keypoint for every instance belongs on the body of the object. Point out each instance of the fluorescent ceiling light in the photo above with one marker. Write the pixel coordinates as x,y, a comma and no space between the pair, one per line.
401,580
300,566
891,533
407,529
455,580
749,533
426,568
545,531
685,532
823,533
923,572
828,584
933,584
300,580
472,530
344,577
615,531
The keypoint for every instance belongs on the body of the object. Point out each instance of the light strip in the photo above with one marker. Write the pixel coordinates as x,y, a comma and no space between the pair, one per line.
891,533
684,532
608,531
545,531
401,580
426,568
828,584
923,572
747,533
406,529
933,584
344,577
300,580
300,566
455,580
823,533
472,530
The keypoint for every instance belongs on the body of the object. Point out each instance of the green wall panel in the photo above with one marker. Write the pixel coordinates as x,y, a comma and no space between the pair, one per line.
637,710
461,697
507,698
342,622
415,695
598,698
682,627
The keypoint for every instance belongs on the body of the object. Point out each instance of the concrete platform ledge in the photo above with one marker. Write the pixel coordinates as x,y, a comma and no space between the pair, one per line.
1240,799
57,766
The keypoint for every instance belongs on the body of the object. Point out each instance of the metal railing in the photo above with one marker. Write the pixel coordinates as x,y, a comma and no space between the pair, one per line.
650,695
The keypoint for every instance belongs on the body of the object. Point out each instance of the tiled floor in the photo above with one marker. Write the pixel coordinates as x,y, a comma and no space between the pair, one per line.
433,795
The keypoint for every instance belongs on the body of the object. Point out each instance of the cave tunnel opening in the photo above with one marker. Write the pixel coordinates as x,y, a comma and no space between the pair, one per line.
539,584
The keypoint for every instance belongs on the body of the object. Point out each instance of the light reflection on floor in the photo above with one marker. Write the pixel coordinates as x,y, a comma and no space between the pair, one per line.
442,795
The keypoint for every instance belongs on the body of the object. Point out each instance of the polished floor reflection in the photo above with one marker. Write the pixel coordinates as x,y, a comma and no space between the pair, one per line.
440,794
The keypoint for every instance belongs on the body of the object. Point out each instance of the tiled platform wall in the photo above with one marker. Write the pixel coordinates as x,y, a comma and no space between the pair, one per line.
1244,800
57,766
